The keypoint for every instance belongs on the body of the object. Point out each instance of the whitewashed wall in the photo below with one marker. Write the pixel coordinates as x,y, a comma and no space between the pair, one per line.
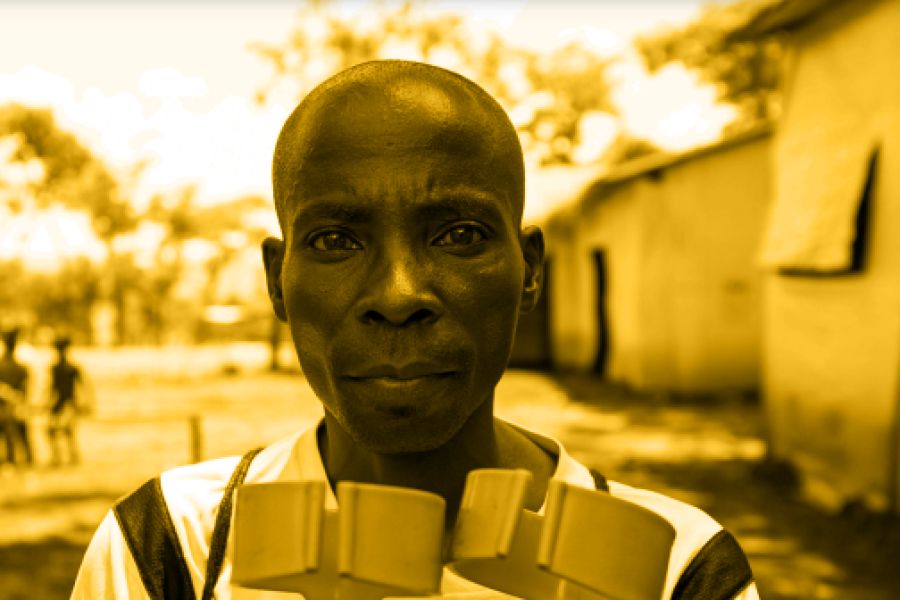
684,289
832,349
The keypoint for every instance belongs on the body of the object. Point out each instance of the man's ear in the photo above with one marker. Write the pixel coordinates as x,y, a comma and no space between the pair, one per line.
273,259
532,241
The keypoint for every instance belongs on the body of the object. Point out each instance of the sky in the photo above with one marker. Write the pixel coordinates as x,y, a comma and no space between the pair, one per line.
175,82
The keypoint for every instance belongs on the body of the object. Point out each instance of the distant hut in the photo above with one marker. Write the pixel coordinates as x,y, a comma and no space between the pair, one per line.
653,268
546,189
832,328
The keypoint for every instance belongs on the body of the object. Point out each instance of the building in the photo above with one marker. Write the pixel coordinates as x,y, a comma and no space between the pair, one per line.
546,189
831,355
653,273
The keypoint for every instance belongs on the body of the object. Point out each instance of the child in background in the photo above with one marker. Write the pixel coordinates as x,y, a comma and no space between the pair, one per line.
68,399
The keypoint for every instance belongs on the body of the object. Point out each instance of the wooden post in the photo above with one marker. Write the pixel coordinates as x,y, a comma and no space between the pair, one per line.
195,435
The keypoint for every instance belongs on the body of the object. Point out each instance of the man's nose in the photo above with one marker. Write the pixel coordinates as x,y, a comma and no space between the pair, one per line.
400,292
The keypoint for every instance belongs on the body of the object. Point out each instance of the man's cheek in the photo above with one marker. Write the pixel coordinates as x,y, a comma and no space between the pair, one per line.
312,355
493,294
316,305
491,313
307,341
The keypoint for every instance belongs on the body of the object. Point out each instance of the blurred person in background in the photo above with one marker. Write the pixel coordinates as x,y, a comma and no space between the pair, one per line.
14,400
70,397
404,266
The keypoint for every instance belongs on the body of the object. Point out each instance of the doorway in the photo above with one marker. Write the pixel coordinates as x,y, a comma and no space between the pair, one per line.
602,314
532,346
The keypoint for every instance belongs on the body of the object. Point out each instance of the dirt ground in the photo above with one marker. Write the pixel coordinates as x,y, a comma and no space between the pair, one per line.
796,551
708,453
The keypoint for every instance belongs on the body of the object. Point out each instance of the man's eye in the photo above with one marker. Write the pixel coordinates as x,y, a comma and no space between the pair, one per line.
461,236
333,240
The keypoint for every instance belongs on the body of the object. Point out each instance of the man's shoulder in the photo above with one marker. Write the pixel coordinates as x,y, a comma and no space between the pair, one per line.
199,485
706,560
166,519
195,490
687,519
177,509
187,494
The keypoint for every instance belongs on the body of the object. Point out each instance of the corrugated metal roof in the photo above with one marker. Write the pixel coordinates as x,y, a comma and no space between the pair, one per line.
783,14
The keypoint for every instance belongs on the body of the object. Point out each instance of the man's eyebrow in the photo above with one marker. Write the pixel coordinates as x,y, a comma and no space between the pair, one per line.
446,205
460,205
333,211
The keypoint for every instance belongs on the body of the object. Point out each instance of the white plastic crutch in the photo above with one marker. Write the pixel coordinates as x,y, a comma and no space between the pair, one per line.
587,545
382,541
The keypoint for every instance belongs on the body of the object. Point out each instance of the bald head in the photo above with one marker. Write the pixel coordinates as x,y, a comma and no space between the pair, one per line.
403,109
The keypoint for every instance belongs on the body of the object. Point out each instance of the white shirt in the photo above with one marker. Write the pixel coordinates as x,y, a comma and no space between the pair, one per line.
192,494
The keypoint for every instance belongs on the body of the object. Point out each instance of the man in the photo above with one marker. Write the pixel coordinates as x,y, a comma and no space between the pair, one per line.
399,189
14,400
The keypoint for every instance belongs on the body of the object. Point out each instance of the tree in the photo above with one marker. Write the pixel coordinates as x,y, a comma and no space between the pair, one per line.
224,225
184,220
565,84
747,73
323,43
67,175
71,175
63,300
58,300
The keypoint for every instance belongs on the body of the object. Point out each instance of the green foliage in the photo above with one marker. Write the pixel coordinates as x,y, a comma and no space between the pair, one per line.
154,301
746,73
12,274
62,156
184,220
576,78
323,43
56,300
72,177
341,43
575,74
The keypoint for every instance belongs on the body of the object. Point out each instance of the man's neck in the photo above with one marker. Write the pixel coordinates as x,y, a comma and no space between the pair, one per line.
483,442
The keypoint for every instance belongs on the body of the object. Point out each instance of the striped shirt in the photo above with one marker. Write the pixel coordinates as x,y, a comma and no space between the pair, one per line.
706,562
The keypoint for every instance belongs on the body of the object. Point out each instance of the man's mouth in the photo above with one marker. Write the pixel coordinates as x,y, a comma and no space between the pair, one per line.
399,373
392,387
400,383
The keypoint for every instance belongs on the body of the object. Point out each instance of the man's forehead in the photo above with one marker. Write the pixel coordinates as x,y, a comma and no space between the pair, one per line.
397,113
407,115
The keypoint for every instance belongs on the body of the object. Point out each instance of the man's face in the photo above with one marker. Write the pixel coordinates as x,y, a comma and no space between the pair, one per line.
402,277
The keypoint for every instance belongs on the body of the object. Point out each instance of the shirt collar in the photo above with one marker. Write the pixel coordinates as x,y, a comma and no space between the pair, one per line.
305,463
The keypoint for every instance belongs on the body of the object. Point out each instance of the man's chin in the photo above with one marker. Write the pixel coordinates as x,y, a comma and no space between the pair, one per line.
401,431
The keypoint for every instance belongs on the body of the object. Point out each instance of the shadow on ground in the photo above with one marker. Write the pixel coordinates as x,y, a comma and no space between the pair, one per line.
45,543
41,569
796,551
